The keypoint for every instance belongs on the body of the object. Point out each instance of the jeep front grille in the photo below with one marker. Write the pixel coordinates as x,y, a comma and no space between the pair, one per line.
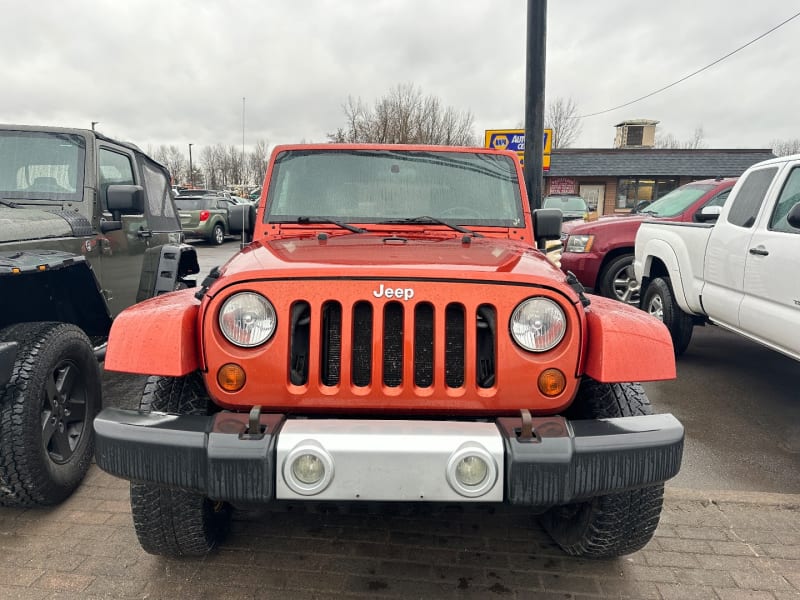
375,349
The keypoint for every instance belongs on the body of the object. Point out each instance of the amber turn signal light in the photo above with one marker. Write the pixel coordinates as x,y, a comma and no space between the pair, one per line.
552,382
231,377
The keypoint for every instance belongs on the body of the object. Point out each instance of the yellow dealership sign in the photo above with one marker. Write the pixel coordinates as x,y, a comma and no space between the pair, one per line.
514,140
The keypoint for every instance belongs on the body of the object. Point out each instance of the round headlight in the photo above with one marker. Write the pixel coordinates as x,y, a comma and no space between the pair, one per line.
247,319
538,324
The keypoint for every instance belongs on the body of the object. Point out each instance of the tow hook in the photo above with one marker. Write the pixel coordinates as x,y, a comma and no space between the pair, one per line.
255,430
526,431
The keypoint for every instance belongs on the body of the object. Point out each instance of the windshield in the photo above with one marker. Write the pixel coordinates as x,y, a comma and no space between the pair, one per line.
369,186
677,200
37,165
571,203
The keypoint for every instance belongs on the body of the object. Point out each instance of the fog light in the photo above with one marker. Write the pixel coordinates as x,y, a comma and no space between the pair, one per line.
308,468
471,470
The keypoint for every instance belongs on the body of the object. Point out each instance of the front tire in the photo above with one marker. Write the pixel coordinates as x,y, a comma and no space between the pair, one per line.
46,414
660,302
611,525
618,281
168,521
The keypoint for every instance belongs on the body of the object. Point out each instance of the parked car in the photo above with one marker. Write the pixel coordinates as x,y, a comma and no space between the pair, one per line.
384,336
204,216
736,268
87,228
571,206
600,252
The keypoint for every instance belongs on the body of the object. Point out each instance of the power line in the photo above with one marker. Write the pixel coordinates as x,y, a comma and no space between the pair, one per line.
708,66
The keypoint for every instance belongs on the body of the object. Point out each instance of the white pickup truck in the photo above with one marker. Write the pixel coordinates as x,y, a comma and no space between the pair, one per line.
739,269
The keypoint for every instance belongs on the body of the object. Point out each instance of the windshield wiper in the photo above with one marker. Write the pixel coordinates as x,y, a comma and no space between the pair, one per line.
343,225
427,219
9,203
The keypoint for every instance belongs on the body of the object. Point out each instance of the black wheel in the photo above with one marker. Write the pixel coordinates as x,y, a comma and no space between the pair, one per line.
614,524
218,234
659,301
174,522
46,414
618,281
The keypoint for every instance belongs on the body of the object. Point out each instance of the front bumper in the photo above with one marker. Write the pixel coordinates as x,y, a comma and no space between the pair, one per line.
400,460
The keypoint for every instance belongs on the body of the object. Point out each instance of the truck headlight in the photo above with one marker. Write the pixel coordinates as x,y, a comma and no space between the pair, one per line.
579,243
247,319
538,324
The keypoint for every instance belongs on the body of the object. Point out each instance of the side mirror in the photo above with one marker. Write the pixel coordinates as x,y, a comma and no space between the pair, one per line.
125,199
546,225
242,219
793,218
708,214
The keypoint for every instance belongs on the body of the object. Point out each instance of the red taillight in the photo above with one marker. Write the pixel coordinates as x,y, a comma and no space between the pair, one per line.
204,215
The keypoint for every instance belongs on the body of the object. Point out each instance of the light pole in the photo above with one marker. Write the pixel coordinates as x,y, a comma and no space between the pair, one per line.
191,173
243,169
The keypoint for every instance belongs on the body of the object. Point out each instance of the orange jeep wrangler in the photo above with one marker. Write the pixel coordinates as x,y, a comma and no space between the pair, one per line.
392,331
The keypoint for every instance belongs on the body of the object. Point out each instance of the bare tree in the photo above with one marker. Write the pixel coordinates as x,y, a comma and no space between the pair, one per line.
785,147
405,116
175,163
561,116
257,163
669,141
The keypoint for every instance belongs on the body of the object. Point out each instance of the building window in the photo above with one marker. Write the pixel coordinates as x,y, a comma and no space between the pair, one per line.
638,191
635,136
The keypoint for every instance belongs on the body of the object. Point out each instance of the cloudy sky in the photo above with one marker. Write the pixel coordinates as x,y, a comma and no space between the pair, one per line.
176,72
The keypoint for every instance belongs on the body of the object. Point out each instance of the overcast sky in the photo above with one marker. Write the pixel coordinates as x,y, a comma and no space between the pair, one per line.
175,72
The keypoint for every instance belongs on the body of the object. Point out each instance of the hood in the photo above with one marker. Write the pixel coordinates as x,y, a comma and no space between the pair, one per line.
19,224
603,223
371,255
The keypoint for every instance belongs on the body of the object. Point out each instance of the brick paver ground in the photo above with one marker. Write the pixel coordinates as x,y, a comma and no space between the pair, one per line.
718,546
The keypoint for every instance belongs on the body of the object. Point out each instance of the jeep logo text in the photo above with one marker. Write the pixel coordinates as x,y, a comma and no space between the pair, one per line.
399,293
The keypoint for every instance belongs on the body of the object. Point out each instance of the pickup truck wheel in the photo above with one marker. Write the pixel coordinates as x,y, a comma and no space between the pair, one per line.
618,281
615,524
659,301
174,522
46,414
218,235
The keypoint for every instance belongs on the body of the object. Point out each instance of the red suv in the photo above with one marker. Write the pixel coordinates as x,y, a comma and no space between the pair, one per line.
600,253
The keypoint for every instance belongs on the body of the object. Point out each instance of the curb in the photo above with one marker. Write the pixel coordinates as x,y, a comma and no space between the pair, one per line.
788,501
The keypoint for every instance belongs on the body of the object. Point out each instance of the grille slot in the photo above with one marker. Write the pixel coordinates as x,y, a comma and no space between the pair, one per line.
331,343
423,345
300,322
454,345
393,344
375,342
362,344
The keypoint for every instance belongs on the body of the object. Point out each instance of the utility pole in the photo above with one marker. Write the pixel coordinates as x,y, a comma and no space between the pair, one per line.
191,172
243,169
534,100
